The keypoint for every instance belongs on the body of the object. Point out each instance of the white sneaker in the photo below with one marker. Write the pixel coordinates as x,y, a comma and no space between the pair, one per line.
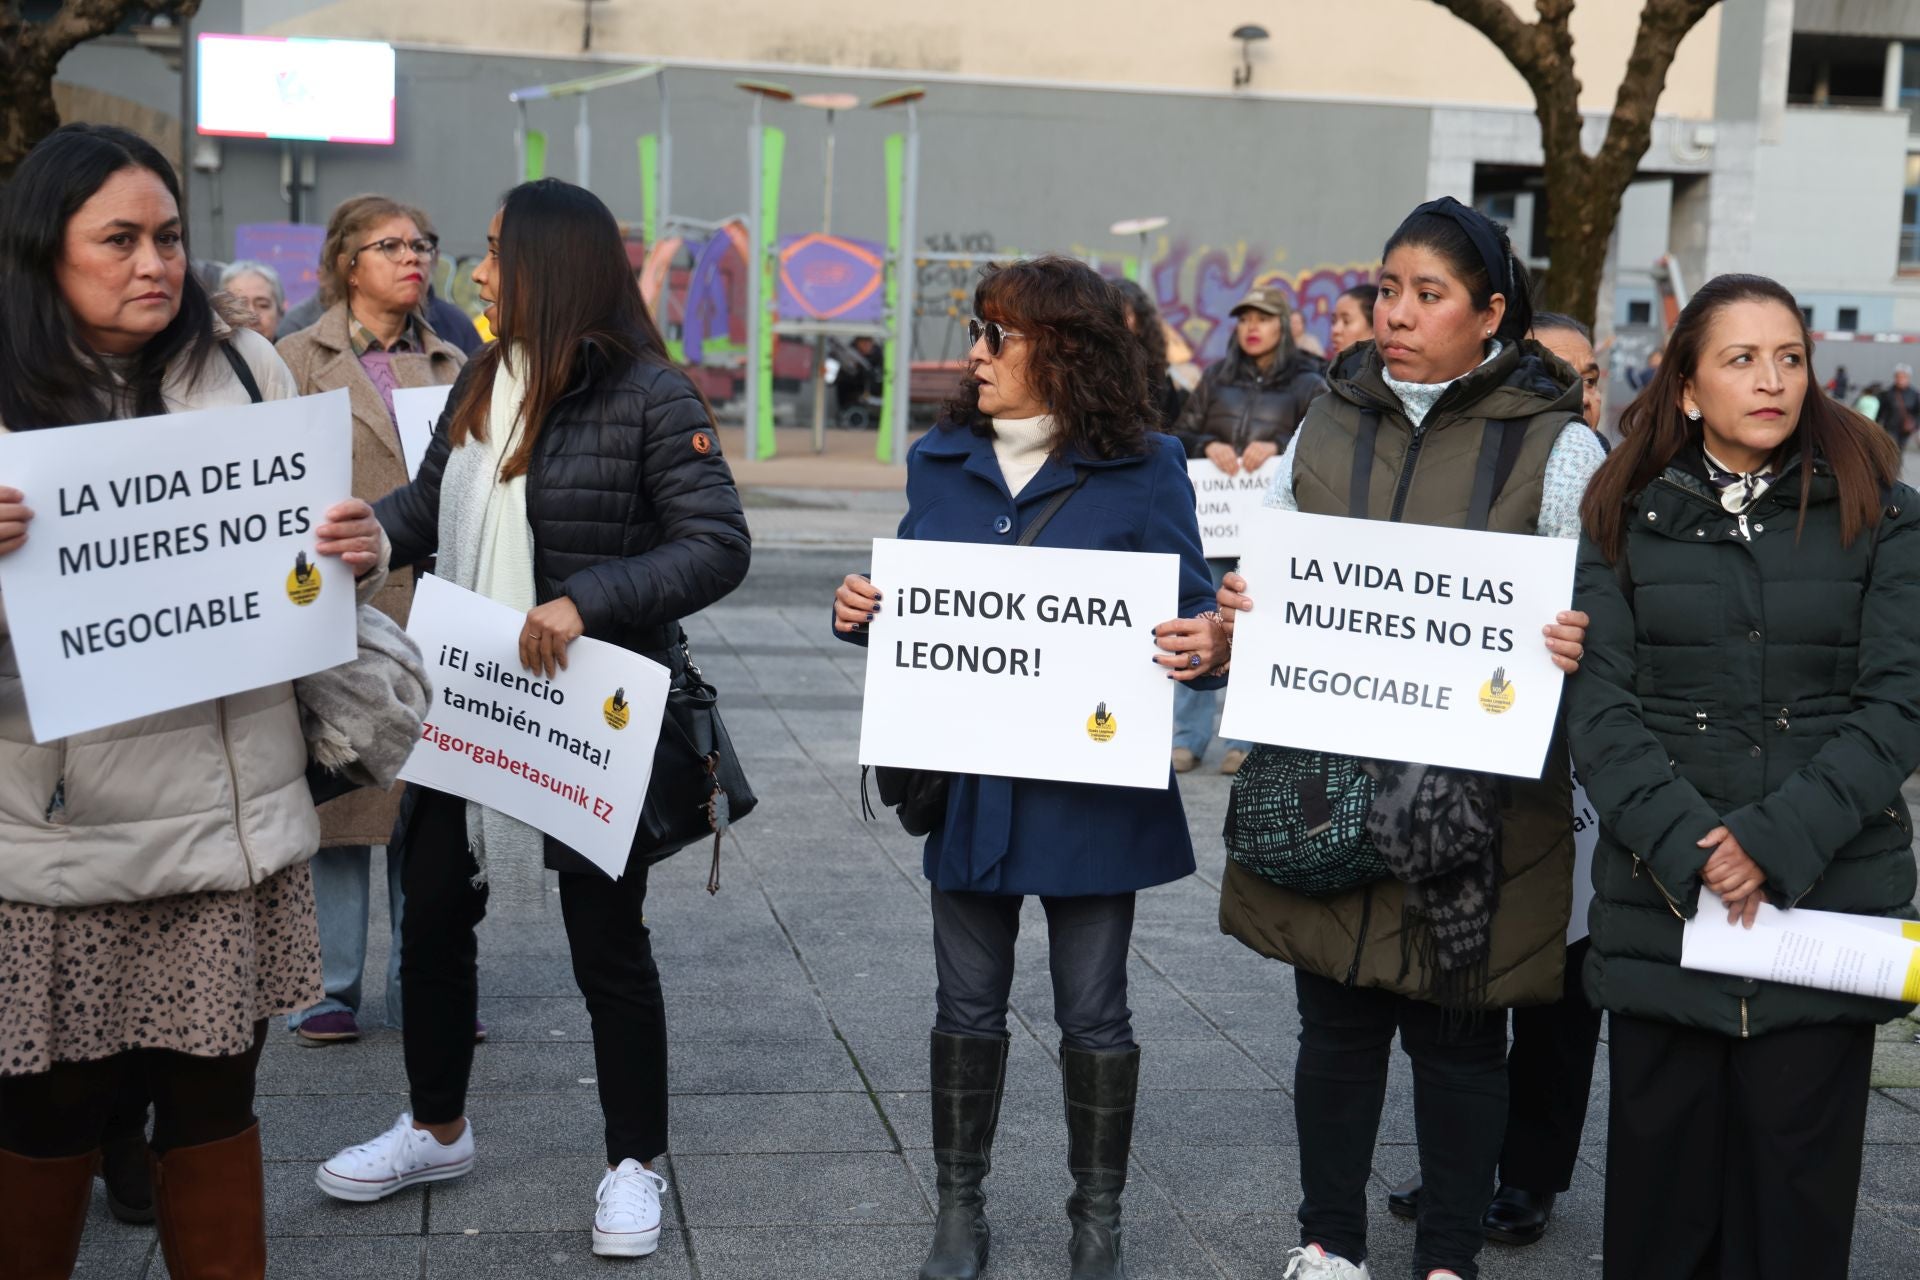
627,1223
400,1157
1311,1262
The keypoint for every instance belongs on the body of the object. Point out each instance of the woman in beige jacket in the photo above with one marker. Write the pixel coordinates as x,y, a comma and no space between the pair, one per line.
155,905
372,339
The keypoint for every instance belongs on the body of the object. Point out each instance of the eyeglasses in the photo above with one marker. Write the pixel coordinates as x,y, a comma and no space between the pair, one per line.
393,246
995,333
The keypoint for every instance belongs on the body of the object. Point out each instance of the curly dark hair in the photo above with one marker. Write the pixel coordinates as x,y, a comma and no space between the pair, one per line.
1146,327
1082,362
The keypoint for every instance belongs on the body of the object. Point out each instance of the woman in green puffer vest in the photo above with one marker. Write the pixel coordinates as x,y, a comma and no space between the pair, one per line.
1747,710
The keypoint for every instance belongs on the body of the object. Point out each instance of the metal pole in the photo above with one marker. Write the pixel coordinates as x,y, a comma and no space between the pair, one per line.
909,290
756,318
520,148
665,222
583,142
820,341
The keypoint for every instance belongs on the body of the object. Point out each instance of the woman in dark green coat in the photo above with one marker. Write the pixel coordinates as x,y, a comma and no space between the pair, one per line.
1747,710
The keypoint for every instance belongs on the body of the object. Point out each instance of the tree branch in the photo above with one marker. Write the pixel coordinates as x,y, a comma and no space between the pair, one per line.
1663,25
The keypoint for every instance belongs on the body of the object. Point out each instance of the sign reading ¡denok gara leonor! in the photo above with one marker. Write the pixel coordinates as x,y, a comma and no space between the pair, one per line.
571,756
1022,662
1398,641
174,559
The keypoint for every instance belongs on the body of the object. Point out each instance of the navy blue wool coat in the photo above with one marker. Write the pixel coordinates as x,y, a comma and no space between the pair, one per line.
1019,835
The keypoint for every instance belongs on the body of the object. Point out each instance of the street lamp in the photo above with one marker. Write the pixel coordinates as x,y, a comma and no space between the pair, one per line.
1246,35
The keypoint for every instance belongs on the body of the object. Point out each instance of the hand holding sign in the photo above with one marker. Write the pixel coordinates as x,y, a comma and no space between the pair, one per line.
14,514
351,533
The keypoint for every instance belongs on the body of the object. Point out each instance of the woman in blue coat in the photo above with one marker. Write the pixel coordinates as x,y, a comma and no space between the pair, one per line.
1055,394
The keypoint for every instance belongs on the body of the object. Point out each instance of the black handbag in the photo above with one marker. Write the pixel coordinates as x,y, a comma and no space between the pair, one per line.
698,788
919,796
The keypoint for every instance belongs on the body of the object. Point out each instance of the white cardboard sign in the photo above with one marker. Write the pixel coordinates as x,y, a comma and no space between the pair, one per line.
1398,641
416,411
1831,950
173,559
1022,662
571,756
1224,501
1586,841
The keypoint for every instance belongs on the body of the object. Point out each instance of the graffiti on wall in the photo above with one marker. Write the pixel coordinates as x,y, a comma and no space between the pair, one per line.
1196,289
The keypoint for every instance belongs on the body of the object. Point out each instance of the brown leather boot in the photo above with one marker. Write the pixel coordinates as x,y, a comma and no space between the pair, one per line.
43,1209
212,1204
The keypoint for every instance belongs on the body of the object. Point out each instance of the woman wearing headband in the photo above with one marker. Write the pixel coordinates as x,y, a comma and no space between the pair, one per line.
1449,385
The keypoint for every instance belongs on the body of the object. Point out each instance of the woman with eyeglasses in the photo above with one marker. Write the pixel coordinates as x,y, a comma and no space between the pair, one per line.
1055,403
372,338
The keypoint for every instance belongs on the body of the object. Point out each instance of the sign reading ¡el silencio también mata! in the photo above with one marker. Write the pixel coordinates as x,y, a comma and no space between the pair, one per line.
1223,503
174,559
1398,641
416,411
570,756
1021,662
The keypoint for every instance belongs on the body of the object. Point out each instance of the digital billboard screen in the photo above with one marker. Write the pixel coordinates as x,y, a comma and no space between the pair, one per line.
290,87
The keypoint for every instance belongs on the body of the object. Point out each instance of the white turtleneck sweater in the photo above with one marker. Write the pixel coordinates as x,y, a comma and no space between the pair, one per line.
1021,445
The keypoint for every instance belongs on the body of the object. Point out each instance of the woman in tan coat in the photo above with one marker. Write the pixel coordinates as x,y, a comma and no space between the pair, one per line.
155,906
372,339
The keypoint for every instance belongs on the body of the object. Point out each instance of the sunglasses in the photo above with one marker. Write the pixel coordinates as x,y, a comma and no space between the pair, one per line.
393,247
993,331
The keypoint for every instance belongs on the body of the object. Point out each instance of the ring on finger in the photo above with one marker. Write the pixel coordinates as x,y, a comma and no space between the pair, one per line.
1194,661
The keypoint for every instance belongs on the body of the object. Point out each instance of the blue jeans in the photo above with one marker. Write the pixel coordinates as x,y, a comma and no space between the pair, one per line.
341,879
1087,939
1195,712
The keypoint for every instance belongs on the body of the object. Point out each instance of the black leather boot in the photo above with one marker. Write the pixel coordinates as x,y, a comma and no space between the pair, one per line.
1403,1201
969,1073
1100,1089
1518,1217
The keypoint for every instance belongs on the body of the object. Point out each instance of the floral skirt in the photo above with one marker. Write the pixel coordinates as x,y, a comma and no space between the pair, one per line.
190,973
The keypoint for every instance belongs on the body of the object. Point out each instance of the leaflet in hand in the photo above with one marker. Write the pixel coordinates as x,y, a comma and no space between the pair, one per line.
1861,955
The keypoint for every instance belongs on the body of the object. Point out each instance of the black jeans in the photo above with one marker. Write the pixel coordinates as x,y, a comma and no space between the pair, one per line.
1087,939
1459,1113
1549,1076
1731,1159
68,1110
612,963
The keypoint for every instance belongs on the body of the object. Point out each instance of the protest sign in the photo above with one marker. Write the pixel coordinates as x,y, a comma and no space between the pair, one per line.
173,559
1223,502
1830,950
571,756
416,410
1022,662
1586,841
1398,641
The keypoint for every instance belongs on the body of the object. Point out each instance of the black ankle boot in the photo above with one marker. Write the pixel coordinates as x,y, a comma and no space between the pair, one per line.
1100,1089
969,1073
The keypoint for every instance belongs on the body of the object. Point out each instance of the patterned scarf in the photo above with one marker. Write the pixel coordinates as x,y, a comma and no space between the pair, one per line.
1738,489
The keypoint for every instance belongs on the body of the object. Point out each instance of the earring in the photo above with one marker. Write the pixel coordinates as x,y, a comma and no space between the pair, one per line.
1693,415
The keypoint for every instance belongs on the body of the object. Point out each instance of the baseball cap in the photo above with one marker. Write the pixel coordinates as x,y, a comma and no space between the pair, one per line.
1264,299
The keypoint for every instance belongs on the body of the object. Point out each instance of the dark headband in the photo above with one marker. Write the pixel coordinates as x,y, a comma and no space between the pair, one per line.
1480,231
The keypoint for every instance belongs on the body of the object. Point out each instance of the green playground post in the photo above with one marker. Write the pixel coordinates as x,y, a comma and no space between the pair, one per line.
897,362
773,150
650,189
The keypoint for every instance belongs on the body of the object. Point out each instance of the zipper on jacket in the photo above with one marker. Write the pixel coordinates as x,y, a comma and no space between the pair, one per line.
1360,938
1744,531
1743,1017
1671,904
1406,472
233,780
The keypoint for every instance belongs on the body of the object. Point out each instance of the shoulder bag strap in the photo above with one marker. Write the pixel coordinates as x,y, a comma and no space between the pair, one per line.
242,372
1052,509
1500,445
1359,495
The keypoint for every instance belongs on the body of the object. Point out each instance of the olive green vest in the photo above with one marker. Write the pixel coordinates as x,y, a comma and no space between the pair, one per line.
1430,476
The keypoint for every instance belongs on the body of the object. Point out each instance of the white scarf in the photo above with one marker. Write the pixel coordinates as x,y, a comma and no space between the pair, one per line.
1021,445
486,546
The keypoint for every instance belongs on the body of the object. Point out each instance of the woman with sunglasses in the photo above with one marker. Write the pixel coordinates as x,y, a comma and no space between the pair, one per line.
372,338
1055,397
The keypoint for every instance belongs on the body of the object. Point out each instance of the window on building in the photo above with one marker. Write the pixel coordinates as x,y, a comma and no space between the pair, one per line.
1640,312
1910,217
1836,71
1806,313
1910,83
1847,320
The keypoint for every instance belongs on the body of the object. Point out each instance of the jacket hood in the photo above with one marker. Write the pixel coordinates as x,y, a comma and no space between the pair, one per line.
1524,380
1290,363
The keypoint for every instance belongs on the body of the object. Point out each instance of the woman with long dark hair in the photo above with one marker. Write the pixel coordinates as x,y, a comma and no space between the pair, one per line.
1054,403
1472,918
1747,712
1144,322
155,902
576,476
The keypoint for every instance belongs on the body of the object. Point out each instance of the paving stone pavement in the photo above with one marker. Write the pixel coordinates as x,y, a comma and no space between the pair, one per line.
799,1001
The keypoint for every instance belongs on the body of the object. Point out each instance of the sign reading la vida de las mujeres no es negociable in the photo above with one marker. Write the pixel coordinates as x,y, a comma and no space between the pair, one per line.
174,559
1401,642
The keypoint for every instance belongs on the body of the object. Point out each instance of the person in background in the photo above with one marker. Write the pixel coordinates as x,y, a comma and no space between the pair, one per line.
1352,318
1745,717
1303,339
370,341
257,285
155,905
576,478
1868,403
453,325
1054,409
1573,342
1241,417
1840,386
1143,321
1638,378
1900,406
1447,382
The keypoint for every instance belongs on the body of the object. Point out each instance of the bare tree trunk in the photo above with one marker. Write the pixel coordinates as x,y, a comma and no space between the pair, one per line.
1583,192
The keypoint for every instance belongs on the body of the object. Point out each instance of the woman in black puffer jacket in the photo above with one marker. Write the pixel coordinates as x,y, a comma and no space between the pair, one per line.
576,476
1746,713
